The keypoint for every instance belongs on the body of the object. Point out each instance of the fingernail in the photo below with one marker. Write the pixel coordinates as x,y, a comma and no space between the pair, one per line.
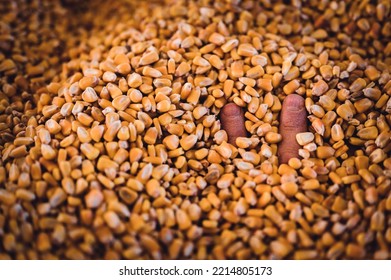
294,102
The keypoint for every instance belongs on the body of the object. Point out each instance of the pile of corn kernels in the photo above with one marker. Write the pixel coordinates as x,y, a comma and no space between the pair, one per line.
111,145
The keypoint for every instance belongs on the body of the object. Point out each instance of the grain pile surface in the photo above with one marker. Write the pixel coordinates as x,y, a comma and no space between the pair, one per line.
111,145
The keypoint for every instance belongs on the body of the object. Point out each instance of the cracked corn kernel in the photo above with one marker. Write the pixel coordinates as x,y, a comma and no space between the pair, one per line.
187,142
304,138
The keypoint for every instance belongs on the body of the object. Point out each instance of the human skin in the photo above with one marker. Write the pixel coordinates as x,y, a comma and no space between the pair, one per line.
293,120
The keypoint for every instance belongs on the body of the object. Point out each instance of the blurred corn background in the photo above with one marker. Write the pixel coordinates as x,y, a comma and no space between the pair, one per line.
111,144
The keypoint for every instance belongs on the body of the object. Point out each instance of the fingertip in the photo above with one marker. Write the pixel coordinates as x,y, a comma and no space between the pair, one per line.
293,113
293,121
231,110
294,102
232,121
